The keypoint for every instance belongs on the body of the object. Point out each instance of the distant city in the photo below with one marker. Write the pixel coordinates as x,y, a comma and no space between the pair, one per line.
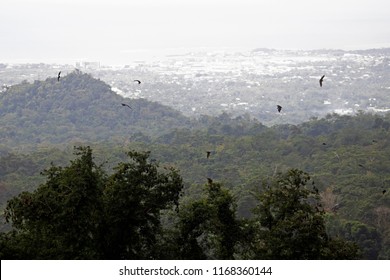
242,82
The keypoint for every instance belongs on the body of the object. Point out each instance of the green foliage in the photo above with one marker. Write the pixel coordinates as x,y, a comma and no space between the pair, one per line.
78,108
134,197
80,213
366,237
291,223
208,227
61,219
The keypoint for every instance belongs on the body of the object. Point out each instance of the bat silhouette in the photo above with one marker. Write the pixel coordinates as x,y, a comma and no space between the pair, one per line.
123,104
322,78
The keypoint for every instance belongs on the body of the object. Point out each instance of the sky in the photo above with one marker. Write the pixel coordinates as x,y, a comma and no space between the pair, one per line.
121,31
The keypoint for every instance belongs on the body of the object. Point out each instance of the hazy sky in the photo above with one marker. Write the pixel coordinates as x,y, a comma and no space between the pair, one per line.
116,31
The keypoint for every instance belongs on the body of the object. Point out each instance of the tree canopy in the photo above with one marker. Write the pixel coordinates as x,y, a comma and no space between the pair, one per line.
81,212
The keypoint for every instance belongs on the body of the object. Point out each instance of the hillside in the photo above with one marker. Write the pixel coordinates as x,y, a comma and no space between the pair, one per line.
77,108
347,157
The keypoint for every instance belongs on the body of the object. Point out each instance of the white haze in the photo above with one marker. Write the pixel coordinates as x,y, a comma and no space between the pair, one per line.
120,31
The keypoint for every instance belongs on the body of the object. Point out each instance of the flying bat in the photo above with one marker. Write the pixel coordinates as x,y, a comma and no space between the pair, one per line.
123,104
208,154
138,81
59,76
279,108
322,78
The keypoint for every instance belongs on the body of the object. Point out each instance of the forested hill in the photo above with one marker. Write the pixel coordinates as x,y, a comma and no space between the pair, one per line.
77,107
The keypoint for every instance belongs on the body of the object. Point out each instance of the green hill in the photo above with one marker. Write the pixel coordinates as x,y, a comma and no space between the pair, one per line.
77,108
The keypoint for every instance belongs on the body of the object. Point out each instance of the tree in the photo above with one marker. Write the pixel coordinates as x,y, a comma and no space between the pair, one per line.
208,227
133,200
81,213
290,223
61,219
367,237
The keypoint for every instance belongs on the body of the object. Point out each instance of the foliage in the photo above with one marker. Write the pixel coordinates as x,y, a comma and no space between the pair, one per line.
80,213
77,108
208,227
134,197
60,219
365,236
291,223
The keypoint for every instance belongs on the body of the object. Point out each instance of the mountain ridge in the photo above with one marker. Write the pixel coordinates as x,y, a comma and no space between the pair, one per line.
77,107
